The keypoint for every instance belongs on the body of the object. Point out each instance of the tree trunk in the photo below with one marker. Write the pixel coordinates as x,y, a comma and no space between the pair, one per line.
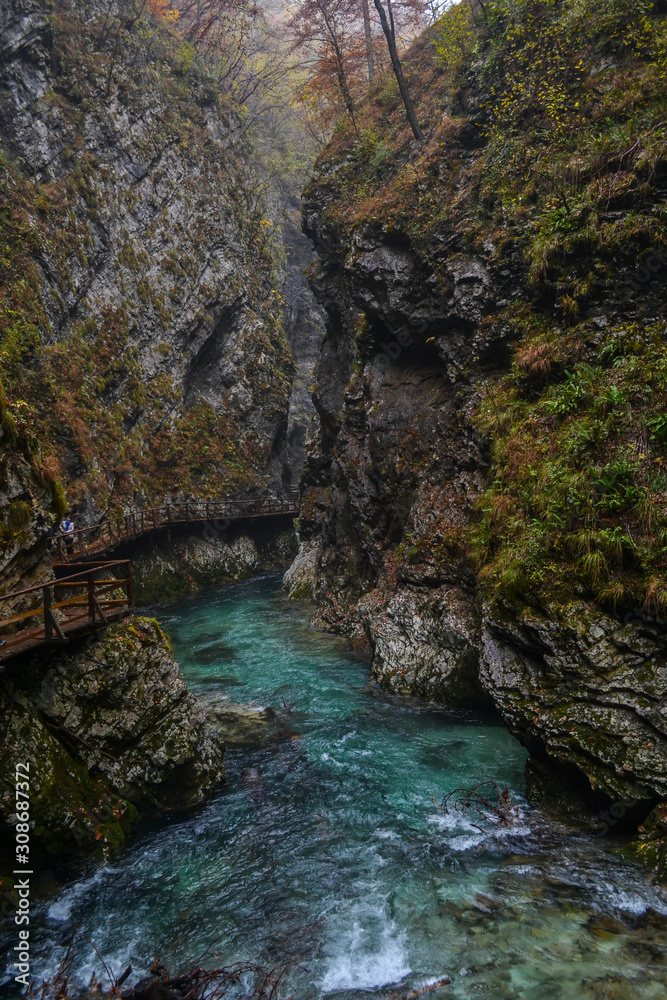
390,35
369,41
340,66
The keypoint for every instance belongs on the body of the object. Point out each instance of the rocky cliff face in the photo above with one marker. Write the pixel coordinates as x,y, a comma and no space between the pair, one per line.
141,325
304,329
208,557
29,498
144,307
484,501
108,733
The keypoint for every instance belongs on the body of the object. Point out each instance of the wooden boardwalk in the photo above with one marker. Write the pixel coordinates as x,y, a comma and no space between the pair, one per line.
103,538
79,603
68,607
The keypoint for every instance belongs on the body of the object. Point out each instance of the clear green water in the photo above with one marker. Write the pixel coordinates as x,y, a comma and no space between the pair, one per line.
339,857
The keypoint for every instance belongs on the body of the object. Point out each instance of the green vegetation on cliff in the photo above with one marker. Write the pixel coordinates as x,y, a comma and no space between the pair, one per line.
546,157
133,248
24,475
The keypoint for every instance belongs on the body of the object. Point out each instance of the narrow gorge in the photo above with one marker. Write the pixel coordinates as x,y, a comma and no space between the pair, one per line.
337,330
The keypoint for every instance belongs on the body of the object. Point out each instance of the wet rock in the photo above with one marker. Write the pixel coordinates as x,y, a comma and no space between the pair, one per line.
585,689
485,904
245,725
251,776
73,812
153,989
126,703
566,793
425,643
144,984
604,926
109,731
204,557
651,844
300,579
216,653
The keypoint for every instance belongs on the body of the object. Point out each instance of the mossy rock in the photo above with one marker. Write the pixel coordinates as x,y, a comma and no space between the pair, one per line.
72,811
123,707
651,844
106,732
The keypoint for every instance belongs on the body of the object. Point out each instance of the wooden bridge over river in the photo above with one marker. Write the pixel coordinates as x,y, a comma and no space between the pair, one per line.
103,538
90,591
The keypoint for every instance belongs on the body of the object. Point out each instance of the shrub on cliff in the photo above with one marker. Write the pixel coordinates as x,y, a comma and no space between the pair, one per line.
545,159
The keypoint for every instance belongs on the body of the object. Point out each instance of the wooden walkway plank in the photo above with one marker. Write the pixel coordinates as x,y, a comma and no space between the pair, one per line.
93,610
74,616
128,527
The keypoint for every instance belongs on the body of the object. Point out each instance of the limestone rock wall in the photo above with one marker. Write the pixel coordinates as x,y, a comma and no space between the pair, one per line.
109,733
142,333
425,321
390,487
195,560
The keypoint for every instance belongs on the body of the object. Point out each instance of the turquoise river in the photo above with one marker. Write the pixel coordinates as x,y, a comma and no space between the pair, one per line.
331,848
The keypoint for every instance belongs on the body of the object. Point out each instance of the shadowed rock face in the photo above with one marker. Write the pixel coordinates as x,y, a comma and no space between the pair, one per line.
304,329
389,489
204,557
109,732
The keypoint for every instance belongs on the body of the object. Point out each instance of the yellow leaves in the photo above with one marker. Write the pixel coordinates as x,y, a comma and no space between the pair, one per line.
162,8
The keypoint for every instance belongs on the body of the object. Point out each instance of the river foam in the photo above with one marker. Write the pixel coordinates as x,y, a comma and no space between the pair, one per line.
339,857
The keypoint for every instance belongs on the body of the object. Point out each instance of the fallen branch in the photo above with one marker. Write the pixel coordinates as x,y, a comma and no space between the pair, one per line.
480,801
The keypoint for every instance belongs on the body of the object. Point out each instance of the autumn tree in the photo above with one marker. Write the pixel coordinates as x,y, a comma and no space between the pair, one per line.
368,34
202,19
389,30
327,32
348,42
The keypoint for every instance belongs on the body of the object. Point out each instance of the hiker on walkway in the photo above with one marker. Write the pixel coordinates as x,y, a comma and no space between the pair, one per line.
67,529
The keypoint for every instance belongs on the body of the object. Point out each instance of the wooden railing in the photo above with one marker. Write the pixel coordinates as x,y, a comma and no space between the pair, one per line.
109,534
94,608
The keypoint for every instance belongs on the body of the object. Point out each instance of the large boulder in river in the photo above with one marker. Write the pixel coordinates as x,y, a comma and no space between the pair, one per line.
578,686
108,732
125,702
